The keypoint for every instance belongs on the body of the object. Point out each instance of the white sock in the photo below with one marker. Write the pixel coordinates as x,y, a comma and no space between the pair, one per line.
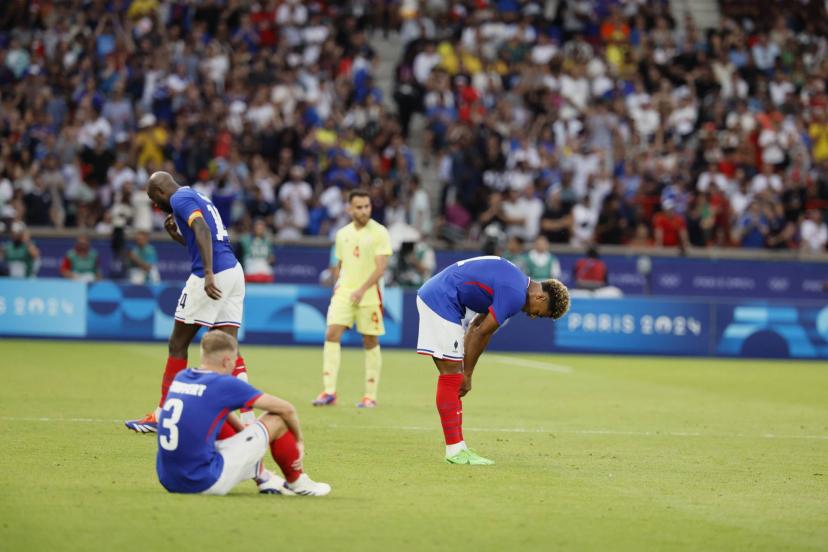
451,450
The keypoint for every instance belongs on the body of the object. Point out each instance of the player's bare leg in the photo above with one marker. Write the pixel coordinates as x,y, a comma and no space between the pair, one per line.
450,408
331,358
246,415
178,344
373,367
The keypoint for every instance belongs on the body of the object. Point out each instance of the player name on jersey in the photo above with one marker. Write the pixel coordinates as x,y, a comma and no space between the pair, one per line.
194,389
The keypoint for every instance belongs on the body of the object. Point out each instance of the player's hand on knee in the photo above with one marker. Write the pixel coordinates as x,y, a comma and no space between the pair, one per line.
210,288
466,386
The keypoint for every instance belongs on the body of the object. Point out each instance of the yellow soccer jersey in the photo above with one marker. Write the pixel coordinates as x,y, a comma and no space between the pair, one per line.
357,251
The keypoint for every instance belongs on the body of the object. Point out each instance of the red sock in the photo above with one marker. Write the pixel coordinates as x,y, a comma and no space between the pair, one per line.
174,366
450,407
285,453
240,368
225,432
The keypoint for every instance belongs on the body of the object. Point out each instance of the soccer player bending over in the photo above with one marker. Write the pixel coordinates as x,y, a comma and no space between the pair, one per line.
363,248
213,296
495,289
191,459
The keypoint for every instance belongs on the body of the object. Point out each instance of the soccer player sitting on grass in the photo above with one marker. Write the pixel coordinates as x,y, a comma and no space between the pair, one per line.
203,449
495,289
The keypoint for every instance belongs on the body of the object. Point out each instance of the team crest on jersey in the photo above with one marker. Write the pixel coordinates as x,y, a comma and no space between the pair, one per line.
356,252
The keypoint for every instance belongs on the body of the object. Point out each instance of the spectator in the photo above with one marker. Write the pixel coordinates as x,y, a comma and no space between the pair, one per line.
540,263
590,272
515,252
81,262
556,222
813,232
298,193
257,254
611,227
752,227
143,261
415,264
670,227
20,255
584,221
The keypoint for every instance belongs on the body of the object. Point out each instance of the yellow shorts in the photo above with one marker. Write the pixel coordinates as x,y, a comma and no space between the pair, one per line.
368,318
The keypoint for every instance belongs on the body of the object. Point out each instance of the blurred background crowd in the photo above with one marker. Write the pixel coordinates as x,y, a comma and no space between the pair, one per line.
578,121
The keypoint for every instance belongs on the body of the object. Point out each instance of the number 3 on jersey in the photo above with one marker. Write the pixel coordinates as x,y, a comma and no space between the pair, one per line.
175,407
221,231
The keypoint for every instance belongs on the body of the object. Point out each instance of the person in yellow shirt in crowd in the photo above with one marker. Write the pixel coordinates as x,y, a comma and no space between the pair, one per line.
818,131
150,142
363,248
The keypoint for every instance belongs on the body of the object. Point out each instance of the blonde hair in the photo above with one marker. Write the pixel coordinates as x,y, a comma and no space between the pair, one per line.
216,341
558,297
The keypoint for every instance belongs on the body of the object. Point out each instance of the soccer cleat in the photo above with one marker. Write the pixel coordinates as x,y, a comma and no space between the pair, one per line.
306,486
274,485
325,399
366,402
469,457
147,424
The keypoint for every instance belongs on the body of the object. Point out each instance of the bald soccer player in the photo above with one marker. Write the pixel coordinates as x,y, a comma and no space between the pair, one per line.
213,296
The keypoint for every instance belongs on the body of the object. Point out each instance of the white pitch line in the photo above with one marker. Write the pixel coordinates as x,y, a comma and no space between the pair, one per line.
45,419
594,432
485,429
527,363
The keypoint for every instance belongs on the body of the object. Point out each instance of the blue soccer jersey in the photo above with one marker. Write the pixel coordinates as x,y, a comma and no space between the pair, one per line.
193,413
188,205
480,284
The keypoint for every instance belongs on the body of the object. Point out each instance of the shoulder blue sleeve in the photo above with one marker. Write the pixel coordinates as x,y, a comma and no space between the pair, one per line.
235,393
184,205
507,301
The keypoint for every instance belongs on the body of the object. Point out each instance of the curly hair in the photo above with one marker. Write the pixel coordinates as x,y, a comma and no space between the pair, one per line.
558,297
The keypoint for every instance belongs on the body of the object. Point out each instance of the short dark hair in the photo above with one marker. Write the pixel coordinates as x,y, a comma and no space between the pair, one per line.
558,296
357,193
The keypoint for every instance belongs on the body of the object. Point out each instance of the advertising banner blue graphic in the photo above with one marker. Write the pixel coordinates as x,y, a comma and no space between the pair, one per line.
289,314
42,308
641,326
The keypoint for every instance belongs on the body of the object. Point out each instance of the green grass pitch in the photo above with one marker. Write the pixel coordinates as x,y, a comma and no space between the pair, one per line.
593,453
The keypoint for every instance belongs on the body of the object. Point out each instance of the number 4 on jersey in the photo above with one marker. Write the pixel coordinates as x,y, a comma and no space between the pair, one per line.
221,231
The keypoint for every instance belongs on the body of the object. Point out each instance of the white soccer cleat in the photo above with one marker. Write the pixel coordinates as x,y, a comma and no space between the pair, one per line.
274,485
306,486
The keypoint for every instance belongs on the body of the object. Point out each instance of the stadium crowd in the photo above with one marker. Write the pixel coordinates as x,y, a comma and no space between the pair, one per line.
607,122
582,121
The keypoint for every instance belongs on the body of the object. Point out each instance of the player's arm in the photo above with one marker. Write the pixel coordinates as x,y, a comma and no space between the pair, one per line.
335,270
234,422
480,331
283,409
172,229
204,241
382,264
